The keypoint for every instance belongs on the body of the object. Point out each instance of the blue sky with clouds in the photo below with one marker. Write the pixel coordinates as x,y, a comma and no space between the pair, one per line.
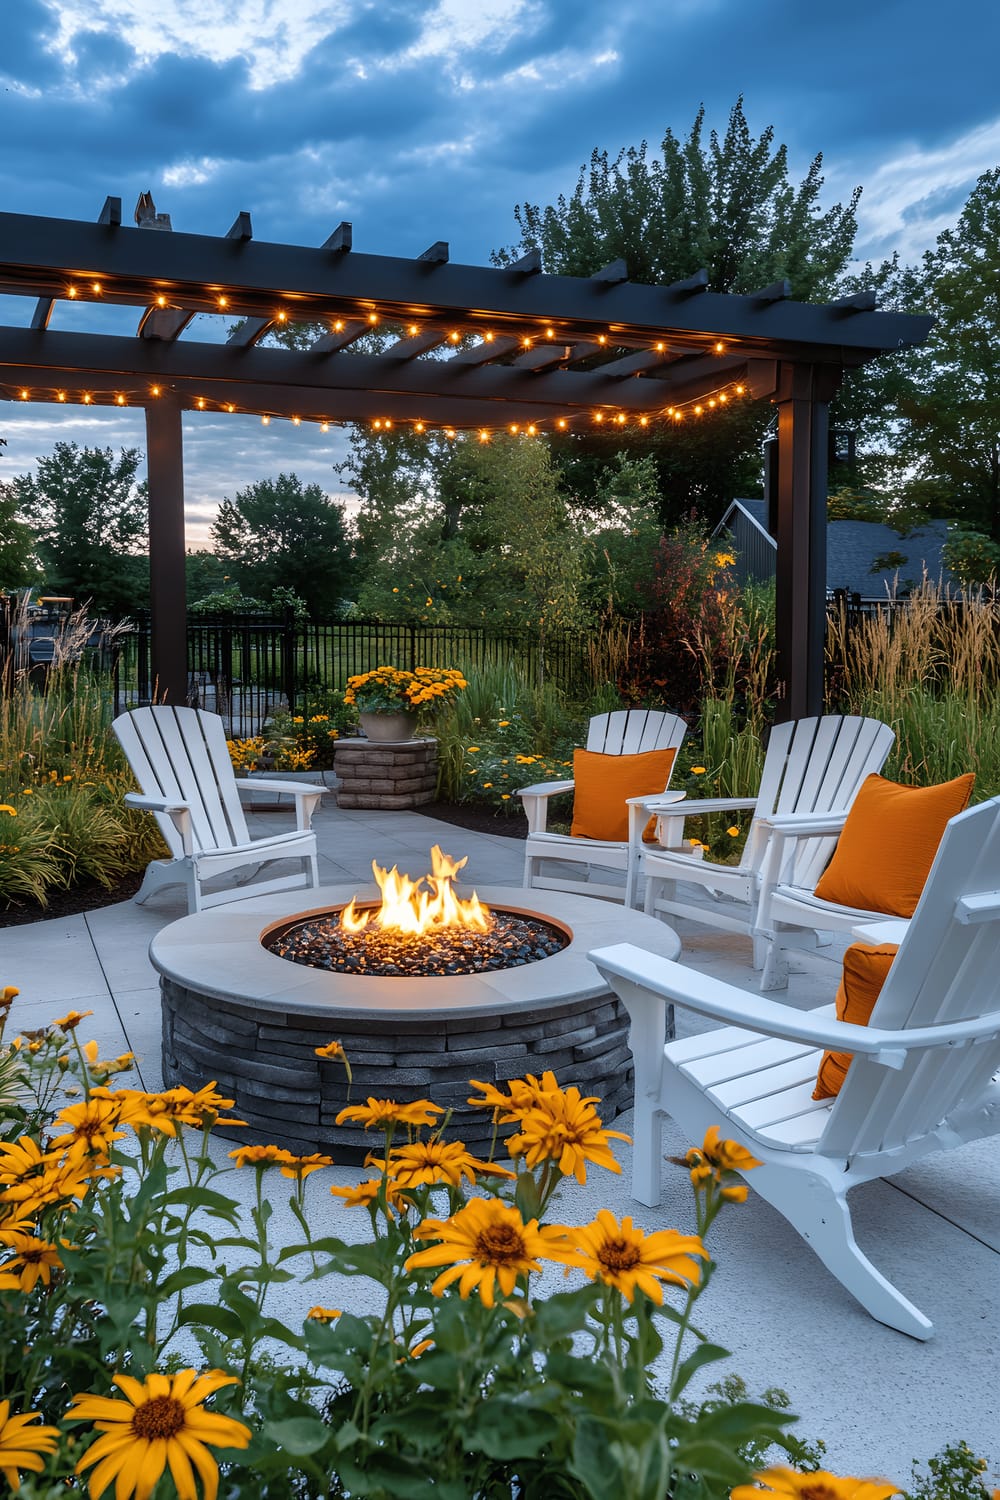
426,121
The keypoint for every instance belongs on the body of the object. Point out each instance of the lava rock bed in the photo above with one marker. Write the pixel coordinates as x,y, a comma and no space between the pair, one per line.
511,942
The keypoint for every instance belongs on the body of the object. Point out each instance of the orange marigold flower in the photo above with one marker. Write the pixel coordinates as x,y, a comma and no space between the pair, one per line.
624,1257
486,1245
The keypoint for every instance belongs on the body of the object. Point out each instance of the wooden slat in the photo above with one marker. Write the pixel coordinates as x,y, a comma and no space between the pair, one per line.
753,1060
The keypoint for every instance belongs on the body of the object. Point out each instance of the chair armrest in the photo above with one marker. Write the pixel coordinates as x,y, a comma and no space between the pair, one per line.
642,973
807,825
891,930
536,801
178,812
695,805
307,797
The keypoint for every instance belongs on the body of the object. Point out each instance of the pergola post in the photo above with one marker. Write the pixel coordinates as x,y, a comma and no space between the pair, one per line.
167,591
803,396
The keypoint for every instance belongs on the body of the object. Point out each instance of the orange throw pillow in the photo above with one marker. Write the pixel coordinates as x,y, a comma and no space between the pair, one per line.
864,974
603,782
888,844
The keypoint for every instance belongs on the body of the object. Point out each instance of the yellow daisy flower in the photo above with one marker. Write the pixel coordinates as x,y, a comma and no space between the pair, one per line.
383,1112
626,1258
817,1486
299,1167
22,1446
161,1422
34,1260
89,1127
73,1019
325,1314
486,1245
364,1194
427,1162
332,1049
564,1127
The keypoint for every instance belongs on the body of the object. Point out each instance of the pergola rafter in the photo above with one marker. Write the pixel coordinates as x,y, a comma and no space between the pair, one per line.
474,348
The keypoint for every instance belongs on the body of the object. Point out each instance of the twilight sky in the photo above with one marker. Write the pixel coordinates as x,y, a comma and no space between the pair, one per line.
431,120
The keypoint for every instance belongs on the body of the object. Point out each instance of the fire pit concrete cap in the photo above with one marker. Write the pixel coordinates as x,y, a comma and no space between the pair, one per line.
219,954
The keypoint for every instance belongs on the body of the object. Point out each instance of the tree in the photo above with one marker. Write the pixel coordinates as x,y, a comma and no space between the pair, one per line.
90,520
18,562
727,205
279,534
951,411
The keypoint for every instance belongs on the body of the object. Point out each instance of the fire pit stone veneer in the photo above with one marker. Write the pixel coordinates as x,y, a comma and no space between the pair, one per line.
239,1014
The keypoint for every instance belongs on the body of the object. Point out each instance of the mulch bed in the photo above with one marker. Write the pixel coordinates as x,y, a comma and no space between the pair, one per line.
91,896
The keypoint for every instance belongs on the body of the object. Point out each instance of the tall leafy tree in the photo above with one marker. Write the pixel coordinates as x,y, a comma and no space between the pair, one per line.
18,562
90,520
951,410
726,203
279,533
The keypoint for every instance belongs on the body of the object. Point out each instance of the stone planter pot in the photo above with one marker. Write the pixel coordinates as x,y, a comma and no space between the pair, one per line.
383,729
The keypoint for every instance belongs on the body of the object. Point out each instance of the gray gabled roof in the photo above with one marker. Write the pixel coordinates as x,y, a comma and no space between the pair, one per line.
854,548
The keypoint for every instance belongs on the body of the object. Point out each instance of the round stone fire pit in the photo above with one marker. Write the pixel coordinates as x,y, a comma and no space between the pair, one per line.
235,1012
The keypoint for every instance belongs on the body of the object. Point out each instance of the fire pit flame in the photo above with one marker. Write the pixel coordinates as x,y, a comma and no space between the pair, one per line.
416,908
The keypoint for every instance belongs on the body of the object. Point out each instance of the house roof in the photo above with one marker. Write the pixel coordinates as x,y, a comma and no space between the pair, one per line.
854,547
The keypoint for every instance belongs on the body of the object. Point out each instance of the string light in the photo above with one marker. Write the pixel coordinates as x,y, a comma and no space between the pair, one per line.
550,333
373,318
223,301
201,403
155,391
120,400
719,347
282,318
87,398
296,421
61,395
24,395
324,427
532,430
161,301
96,288
265,420
71,292
421,427
484,436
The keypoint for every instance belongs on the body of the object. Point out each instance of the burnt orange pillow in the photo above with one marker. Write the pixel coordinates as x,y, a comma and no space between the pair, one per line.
603,782
864,974
888,844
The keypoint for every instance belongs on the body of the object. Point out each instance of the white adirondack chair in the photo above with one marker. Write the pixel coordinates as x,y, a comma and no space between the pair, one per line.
922,1079
812,766
623,732
789,913
180,760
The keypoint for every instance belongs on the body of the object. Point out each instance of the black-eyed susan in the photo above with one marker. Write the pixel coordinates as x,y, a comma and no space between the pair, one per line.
381,1113
563,1127
429,1162
299,1167
88,1128
332,1050
719,1161
325,1314
817,1486
365,1194
73,1019
162,1422
169,1110
624,1257
486,1245
261,1156
33,1260
22,1445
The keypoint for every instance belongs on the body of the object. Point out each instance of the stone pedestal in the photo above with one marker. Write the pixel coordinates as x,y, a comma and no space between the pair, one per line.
388,776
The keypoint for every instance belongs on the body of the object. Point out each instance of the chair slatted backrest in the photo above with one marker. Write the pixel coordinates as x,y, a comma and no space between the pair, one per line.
946,971
632,731
181,753
817,766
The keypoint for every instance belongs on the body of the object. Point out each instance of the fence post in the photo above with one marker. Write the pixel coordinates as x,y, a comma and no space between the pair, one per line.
288,654
413,647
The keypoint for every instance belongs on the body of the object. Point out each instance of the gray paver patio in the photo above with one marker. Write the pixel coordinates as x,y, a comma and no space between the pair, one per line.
878,1398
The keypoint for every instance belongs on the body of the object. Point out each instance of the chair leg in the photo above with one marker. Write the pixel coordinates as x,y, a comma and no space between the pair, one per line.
775,964
761,947
821,1216
160,873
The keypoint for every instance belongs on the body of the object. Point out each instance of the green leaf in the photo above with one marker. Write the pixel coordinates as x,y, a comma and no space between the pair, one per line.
511,1430
298,1436
211,1315
181,1279
704,1354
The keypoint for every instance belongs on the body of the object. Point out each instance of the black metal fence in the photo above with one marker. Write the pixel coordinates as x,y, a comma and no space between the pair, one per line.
245,666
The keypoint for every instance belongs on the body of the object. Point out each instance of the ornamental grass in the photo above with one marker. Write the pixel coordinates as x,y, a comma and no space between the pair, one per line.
140,1357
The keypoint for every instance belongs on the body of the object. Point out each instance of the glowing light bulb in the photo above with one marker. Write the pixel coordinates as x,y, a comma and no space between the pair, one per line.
620,419
739,390
723,399
550,333
698,410
412,329
719,347
561,423
601,339
643,421
377,424
338,327
712,401
71,291
526,343
421,427
223,301
265,421
87,398
61,395
373,317
230,407
161,301
487,338
120,400
484,436
449,432
282,317
324,427
387,426
532,430
514,429
201,403
661,346
598,416
24,395
96,288
296,421
453,338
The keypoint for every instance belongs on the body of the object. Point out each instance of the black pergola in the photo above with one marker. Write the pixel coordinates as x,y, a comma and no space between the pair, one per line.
547,353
